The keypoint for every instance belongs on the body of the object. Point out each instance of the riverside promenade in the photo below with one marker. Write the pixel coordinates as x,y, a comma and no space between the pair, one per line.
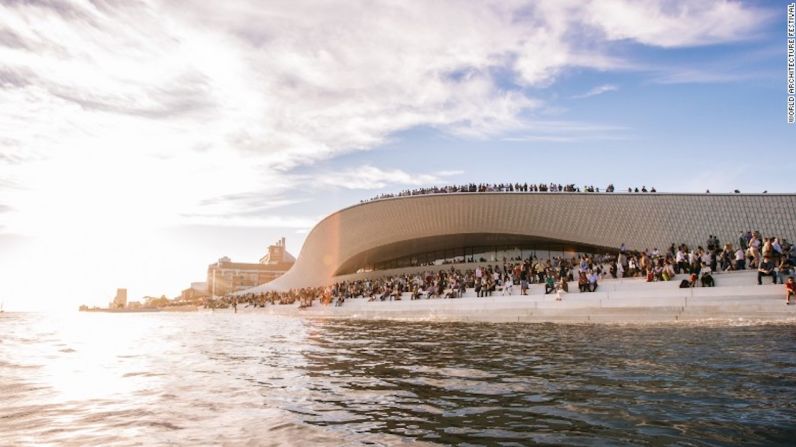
736,297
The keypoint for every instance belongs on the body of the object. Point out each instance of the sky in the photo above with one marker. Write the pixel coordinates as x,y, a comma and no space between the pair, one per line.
141,140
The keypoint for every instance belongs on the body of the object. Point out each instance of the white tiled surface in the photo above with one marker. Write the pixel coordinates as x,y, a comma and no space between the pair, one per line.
638,220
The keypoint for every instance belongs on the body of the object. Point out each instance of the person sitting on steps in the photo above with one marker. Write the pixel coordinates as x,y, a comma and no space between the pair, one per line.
766,268
707,278
593,277
583,282
550,284
690,282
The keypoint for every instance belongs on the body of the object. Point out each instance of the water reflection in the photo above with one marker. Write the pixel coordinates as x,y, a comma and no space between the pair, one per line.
99,379
503,384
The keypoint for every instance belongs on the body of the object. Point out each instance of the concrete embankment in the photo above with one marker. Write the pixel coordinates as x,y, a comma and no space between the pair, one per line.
737,297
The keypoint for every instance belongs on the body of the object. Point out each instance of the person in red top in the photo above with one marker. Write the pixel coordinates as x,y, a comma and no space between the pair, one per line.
790,290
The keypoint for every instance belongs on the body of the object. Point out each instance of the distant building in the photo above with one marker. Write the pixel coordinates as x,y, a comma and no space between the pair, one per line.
225,276
120,301
153,301
199,286
277,255
196,291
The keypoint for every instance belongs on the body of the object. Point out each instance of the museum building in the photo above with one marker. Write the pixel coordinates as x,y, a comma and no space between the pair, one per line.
415,233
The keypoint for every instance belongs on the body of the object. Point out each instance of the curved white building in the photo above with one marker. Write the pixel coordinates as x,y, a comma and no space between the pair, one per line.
411,231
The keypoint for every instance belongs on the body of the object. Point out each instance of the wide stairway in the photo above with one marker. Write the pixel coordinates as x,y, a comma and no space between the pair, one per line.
736,297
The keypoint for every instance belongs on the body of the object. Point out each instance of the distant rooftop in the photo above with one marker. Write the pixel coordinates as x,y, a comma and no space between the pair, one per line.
277,254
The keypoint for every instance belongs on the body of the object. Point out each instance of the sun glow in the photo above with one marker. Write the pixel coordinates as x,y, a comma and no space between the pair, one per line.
97,216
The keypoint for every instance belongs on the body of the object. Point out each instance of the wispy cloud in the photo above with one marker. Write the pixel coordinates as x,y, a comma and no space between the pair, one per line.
156,108
256,199
272,221
370,177
251,206
569,132
675,23
565,139
598,90
679,75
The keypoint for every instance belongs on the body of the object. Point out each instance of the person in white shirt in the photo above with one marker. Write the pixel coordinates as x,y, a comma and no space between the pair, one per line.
679,259
777,246
631,266
755,242
508,285
754,250
740,259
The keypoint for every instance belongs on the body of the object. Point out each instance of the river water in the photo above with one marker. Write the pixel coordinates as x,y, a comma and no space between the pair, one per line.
252,379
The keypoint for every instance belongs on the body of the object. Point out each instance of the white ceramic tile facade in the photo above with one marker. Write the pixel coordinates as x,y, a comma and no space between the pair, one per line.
639,220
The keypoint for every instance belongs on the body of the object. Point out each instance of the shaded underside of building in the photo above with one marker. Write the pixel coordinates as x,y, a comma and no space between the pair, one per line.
474,227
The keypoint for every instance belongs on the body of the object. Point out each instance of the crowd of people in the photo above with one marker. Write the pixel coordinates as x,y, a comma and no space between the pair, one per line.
770,256
505,187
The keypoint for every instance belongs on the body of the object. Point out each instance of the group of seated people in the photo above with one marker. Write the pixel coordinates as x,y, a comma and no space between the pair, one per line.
555,274
587,282
504,187
704,276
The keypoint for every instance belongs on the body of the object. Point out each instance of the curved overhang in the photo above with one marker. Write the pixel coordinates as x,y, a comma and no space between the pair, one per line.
454,245
395,227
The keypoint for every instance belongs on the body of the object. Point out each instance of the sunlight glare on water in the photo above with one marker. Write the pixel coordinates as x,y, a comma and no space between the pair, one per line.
251,379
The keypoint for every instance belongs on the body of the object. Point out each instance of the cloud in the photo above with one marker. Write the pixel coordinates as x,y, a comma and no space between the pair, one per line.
565,139
182,95
568,132
16,78
370,177
717,68
9,39
259,199
598,90
254,205
281,221
703,76
155,108
674,23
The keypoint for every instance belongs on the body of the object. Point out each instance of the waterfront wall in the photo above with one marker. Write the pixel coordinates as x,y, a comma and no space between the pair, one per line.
735,299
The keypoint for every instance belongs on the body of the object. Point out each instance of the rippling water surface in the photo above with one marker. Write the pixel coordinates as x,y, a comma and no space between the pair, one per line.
251,379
